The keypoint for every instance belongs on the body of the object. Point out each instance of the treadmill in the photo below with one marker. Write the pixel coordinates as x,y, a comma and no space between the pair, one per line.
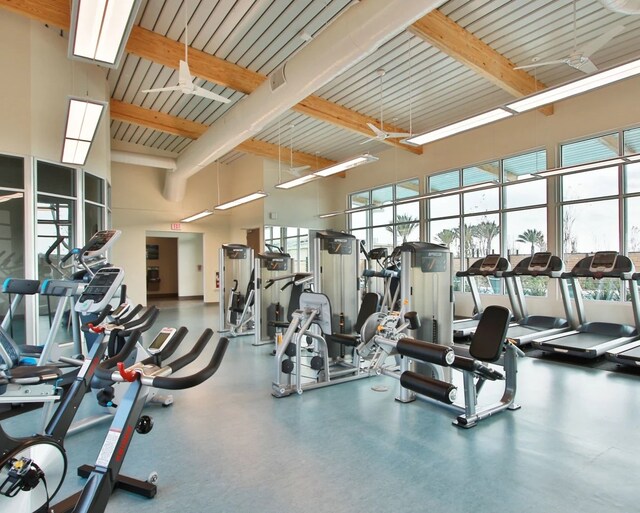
592,339
530,327
629,354
491,265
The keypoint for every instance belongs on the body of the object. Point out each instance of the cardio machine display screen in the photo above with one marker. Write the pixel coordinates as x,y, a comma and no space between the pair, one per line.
433,262
277,264
490,263
604,260
160,340
98,241
338,246
539,261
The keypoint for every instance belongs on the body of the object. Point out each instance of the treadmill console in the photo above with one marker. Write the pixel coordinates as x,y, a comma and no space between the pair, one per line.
603,261
100,290
100,243
539,262
490,263
378,253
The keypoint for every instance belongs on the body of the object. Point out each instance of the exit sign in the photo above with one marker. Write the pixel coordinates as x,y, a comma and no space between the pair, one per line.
176,226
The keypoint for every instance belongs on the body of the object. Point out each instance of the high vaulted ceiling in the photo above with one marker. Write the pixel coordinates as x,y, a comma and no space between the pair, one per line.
453,63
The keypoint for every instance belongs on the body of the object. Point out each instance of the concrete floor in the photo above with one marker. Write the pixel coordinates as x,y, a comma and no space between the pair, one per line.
229,446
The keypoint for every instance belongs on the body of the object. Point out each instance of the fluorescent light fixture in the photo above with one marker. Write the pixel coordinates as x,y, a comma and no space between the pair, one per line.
330,214
83,117
347,164
197,216
241,201
297,181
100,30
460,126
9,197
582,85
590,166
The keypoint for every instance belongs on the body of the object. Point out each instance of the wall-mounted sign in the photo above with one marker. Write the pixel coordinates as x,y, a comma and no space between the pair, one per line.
176,227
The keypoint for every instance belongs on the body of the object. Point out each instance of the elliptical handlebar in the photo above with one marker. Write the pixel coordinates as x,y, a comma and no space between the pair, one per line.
52,248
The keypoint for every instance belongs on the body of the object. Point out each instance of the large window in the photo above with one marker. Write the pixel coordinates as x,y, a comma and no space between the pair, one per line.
503,210
94,205
598,206
387,217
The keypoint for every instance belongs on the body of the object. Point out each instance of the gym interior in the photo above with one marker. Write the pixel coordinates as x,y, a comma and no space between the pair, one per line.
388,248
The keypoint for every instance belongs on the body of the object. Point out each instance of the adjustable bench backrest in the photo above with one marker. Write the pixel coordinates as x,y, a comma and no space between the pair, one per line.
490,336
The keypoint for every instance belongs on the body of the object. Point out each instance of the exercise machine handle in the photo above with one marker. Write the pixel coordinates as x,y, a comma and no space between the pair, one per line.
90,326
52,248
198,377
169,349
104,369
142,324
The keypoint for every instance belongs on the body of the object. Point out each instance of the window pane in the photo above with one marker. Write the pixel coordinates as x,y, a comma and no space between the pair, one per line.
481,201
382,196
589,227
526,232
525,194
482,235
407,189
408,212
11,172
524,166
489,172
93,188
382,237
359,219
359,199
590,184
444,181
633,230
108,195
409,232
445,206
447,233
54,218
12,253
632,172
598,148
93,220
631,141
291,232
383,215
56,179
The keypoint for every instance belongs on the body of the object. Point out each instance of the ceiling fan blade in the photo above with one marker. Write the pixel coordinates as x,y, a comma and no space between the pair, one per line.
379,133
545,63
162,89
201,91
184,75
395,135
372,139
593,46
586,66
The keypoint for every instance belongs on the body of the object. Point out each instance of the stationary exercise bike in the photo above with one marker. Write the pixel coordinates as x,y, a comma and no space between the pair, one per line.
33,468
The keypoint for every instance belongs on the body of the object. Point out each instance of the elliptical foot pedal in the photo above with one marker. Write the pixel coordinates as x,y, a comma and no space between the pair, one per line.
129,484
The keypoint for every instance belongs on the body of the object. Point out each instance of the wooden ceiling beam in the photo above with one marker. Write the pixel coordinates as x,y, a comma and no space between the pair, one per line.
163,50
177,126
447,36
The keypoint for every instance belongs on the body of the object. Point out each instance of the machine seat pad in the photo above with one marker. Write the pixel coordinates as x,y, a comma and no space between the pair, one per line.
345,339
42,373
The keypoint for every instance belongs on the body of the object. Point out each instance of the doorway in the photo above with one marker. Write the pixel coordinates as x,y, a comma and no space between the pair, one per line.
253,240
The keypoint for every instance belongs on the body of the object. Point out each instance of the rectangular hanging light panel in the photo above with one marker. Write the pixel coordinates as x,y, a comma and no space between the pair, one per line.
241,201
576,87
460,126
347,164
197,216
100,30
297,181
83,118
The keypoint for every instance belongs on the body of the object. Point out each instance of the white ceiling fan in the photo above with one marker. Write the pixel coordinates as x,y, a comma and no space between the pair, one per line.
580,58
294,170
185,79
379,133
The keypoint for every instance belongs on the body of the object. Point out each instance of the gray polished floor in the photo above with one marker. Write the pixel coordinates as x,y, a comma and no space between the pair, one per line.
228,446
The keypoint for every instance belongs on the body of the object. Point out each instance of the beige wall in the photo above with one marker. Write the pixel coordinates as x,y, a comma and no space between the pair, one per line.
37,78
